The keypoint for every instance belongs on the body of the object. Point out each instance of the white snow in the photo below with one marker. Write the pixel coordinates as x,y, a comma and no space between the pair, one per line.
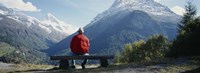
51,25
2,12
149,6
56,24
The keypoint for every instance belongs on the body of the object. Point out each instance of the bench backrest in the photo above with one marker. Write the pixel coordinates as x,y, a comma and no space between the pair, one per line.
81,57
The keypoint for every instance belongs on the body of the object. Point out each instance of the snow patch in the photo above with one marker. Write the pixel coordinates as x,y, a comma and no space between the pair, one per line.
52,27
56,24
149,6
178,10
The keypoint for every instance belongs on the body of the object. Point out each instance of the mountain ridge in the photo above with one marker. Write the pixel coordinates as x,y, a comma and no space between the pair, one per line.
113,28
29,36
153,8
51,26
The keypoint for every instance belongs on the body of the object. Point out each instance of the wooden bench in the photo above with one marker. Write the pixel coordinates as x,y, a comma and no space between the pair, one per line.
64,60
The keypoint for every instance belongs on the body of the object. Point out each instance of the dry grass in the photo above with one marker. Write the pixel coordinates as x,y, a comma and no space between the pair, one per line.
166,66
26,67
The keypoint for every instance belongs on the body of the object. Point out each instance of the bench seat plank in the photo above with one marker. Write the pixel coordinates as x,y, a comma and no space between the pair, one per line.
64,60
80,57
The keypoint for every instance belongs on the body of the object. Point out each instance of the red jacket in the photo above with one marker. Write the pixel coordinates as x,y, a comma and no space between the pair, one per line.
80,44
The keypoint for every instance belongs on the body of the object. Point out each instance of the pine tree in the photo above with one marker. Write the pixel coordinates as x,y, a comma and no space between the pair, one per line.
187,41
188,18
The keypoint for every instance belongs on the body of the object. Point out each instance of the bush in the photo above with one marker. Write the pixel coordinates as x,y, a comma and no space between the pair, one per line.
156,47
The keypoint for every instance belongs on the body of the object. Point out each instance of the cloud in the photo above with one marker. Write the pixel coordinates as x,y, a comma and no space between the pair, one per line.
157,0
178,10
19,5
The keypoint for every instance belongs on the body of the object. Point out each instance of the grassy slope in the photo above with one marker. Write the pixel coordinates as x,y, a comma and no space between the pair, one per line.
5,48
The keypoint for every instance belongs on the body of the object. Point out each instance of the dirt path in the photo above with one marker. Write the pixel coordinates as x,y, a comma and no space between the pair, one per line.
159,68
149,69
5,65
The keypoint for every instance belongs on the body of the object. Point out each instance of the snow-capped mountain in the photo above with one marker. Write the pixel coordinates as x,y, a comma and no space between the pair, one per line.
149,6
30,35
154,9
51,27
124,22
5,11
56,24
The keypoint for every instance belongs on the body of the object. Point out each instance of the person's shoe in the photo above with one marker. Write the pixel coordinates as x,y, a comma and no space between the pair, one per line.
73,67
83,66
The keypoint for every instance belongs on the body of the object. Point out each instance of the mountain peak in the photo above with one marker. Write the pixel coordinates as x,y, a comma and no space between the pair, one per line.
132,1
58,25
5,11
151,7
119,3
52,18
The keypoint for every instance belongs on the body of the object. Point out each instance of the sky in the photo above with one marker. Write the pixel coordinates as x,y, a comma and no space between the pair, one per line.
79,13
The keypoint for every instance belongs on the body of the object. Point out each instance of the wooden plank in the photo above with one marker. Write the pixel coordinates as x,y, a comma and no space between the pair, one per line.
80,57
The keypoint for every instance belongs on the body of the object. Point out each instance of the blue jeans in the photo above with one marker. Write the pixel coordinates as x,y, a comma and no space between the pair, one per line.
73,63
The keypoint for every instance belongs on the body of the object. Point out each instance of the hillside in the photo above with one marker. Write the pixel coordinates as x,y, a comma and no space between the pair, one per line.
5,48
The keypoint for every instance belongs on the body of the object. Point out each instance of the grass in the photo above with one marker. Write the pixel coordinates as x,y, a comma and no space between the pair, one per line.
178,68
32,66
26,67
5,48
165,66
135,68
3,71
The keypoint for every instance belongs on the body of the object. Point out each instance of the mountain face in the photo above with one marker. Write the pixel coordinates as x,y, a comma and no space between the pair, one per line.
57,30
51,29
155,10
124,22
30,35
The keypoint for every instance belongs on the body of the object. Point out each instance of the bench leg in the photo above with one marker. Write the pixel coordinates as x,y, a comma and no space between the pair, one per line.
104,62
64,64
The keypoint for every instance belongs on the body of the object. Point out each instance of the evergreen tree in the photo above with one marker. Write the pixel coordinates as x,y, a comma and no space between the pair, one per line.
188,18
187,41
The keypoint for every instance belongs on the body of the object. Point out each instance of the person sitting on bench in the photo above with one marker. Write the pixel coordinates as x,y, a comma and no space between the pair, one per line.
79,46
